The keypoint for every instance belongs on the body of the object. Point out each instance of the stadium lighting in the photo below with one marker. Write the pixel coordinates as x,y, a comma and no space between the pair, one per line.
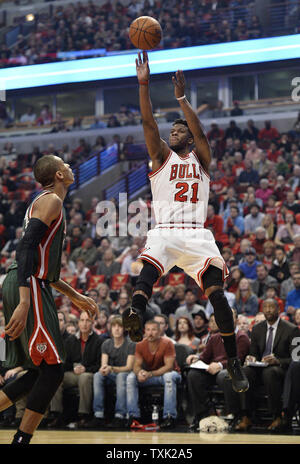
161,61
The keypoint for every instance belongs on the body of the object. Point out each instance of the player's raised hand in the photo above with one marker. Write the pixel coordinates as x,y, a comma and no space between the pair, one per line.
179,84
142,67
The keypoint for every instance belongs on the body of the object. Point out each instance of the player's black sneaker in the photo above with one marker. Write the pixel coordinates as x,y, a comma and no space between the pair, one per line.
239,380
133,323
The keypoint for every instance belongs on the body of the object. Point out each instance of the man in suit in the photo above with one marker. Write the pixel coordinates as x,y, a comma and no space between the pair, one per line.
199,380
271,343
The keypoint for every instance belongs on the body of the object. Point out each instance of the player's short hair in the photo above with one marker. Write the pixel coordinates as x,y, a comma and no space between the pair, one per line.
45,169
184,122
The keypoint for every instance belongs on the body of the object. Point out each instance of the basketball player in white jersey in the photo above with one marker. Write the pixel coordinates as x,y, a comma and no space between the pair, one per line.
180,190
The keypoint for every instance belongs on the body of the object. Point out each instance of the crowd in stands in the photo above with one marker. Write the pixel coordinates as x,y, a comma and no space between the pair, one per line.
254,213
84,27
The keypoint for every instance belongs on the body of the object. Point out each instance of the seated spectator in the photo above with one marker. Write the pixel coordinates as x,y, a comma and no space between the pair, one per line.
233,280
45,116
162,319
233,242
233,131
246,302
199,380
260,284
130,258
218,111
113,121
272,292
276,355
82,361
234,222
270,227
184,333
292,301
201,328
83,274
29,116
168,302
249,176
280,269
253,219
254,154
264,192
123,303
288,285
190,306
250,132
249,264
294,180
236,110
100,323
291,203
287,231
98,124
87,251
214,222
268,134
258,241
243,324
154,370
296,318
104,300
108,266
117,358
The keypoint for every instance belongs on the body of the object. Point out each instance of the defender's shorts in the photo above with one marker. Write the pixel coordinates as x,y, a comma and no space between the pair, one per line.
193,250
41,339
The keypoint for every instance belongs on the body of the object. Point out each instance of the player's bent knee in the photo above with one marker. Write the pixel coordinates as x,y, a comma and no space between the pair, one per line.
213,277
147,278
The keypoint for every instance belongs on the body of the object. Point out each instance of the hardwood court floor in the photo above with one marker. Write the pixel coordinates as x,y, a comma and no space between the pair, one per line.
61,437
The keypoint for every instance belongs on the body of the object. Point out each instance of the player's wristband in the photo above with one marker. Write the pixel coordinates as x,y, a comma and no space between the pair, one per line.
143,82
181,98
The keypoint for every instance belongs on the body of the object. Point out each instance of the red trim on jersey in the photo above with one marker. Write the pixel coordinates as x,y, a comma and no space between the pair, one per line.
225,271
155,263
153,173
202,168
41,345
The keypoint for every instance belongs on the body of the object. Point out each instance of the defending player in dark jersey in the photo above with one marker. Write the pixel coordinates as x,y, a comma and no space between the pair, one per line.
32,330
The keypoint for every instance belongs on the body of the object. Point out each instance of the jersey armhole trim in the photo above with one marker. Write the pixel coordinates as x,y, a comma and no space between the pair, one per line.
153,173
201,167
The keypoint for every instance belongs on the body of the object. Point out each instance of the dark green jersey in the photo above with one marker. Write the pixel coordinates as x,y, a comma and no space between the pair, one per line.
47,256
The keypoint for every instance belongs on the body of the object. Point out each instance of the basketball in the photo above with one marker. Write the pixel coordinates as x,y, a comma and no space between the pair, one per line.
145,33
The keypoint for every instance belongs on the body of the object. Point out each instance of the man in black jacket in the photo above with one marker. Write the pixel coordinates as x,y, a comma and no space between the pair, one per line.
271,343
83,356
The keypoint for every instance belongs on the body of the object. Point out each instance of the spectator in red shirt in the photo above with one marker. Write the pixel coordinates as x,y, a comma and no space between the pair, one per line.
219,184
268,133
214,222
273,152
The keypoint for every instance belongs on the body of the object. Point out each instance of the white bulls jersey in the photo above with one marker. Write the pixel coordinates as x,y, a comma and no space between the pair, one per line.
180,191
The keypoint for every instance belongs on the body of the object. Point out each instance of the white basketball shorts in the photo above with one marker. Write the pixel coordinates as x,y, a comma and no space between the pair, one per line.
193,250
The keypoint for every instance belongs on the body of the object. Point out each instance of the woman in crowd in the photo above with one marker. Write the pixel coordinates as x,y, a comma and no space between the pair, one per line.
246,302
184,333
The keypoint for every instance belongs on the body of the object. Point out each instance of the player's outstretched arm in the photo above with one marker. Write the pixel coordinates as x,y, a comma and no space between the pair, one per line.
202,147
82,302
157,148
